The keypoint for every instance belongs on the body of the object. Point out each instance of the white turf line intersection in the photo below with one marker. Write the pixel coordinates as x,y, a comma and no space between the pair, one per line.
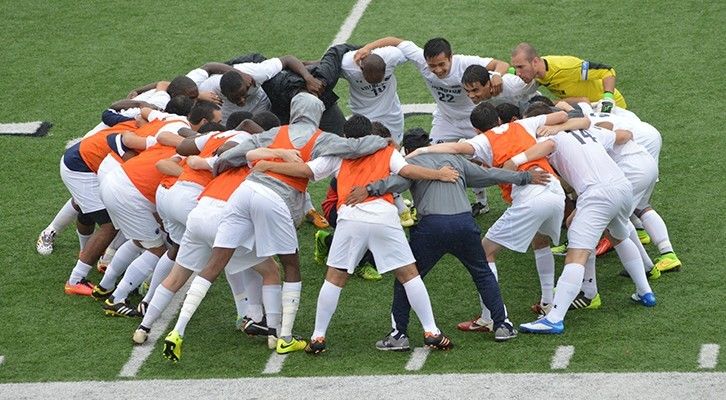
708,356
562,357
418,359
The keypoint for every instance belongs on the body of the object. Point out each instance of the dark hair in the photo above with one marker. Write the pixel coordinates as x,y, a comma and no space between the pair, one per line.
357,126
179,105
484,117
538,108
379,129
475,73
373,66
436,46
542,99
266,120
508,112
182,86
236,117
212,127
415,138
202,110
230,84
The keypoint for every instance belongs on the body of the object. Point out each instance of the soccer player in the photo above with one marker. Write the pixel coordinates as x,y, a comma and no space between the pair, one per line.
442,70
604,201
567,76
477,84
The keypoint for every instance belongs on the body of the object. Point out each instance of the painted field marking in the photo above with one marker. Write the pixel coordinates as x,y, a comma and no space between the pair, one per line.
562,357
2,360
708,357
418,359
274,363
350,23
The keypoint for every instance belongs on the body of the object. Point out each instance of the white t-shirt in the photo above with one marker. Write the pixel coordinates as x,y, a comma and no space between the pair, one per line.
377,211
379,101
452,103
514,91
256,100
582,160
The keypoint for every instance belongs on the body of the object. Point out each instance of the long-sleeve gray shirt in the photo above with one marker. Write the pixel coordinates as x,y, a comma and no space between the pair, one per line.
443,198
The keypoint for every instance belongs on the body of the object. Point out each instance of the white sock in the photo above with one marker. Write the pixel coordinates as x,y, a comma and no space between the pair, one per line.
418,297
65,216
135,275
568,287
121,260
290,304
327,303
157,305
162,269
195,295
82,239
632,262
589,280
237,285
117,241
486,314
656,228
272,300
481,195
636,221
545,262
79,272
253,289
633,237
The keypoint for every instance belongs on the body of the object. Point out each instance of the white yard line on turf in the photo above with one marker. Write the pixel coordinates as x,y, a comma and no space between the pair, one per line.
418,359
274,363
708,357
350,23
562,357
2,360
140,353
659,385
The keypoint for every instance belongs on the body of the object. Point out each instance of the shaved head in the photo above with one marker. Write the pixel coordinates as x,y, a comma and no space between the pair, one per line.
374,68
527,50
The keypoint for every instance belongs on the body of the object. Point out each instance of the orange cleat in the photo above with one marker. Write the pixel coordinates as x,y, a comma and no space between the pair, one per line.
82,288
317,219
603,247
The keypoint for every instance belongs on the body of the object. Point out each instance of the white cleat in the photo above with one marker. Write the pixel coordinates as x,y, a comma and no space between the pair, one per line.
44,245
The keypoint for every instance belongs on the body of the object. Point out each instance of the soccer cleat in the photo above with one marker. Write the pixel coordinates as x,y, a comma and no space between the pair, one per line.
44,245
141,334
105,260
124,309
252,328
99,293
368,273
393,343
295,344
583,302
173,346
504,332
653,274
647,299
541,309
476,325
543,325
407,219
317,219
668,262
604,246
82,288
437,342
479,208
643,236
560,250
321,248
141,308
315,346
144,287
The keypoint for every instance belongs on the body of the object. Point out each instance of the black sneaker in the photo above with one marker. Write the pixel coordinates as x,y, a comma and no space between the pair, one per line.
315,346
504,332
439,342
99,293
479,208
393,343
124,309
252,328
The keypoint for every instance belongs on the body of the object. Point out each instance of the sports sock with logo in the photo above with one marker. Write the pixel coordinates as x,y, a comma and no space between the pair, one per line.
162,269
420,302
197,290
290,304
568,287
121,260
135,275
237,285
253,290
589,280
629,256
327,303
272,300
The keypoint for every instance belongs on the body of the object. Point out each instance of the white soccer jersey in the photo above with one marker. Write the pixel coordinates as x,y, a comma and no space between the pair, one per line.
379,101
514,91
582,160
616,151
452,102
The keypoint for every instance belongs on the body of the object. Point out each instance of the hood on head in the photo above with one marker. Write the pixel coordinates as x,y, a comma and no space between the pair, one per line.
306,108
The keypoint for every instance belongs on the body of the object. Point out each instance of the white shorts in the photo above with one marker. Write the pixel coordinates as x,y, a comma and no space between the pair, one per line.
387,243
130,211
196,243
541,213
442,130
175,204
107,165
600,207
648,136
84,188
642,173
256,217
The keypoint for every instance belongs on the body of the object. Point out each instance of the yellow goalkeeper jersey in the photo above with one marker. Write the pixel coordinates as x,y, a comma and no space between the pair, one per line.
569,76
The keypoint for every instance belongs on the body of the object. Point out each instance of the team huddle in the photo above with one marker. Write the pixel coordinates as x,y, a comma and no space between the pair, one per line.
208,173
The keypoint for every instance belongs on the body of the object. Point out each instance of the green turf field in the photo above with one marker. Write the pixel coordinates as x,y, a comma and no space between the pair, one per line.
66,61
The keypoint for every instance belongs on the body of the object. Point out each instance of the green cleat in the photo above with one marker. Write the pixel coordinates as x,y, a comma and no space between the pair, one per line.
643,236
293,345
560,250
668,262
321,248
368,273
581,302
653,274
173,346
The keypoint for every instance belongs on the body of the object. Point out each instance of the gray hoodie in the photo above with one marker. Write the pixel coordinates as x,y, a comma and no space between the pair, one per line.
305,113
